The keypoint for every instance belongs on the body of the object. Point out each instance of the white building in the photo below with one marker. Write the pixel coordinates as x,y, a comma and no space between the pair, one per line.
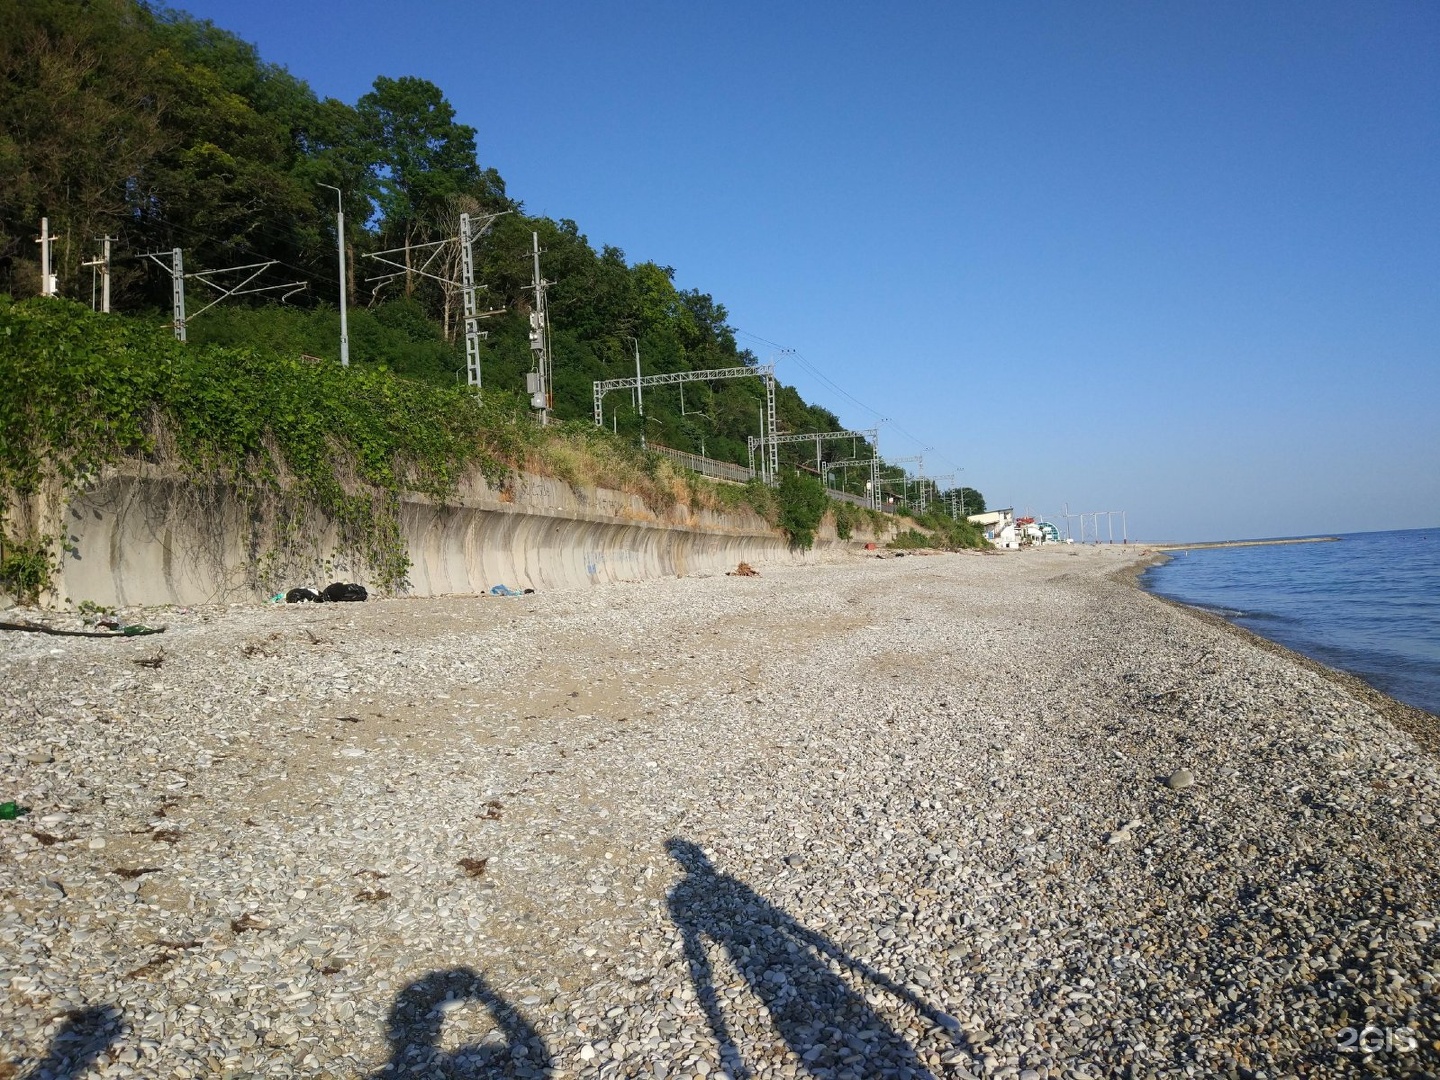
999,527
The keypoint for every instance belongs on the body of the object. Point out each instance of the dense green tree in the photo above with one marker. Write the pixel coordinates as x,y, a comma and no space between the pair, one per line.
423,155
224,188
423,160
972,501
78,121
803,503
124,118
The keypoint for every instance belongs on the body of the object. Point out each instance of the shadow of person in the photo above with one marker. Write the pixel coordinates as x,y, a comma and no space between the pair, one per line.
823,1021
85,1035
418,1014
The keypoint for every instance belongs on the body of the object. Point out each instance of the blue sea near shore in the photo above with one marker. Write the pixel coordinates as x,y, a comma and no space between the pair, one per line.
1369,603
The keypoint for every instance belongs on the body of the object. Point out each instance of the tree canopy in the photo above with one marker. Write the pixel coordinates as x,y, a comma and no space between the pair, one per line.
127,119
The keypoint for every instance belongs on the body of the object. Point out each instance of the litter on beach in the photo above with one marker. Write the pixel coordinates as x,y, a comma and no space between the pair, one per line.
334,593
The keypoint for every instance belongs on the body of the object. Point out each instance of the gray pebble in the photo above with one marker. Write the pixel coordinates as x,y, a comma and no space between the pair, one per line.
1180,778
921,838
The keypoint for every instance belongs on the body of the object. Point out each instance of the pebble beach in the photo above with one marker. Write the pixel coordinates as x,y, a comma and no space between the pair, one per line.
962,815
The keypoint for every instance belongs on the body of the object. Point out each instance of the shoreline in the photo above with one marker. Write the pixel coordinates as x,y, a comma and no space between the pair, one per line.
1423,725
681,822
1201,544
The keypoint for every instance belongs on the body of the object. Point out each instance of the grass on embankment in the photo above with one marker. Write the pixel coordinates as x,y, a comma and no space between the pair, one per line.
940,531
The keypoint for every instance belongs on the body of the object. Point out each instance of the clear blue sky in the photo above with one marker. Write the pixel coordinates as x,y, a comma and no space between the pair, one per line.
1179,259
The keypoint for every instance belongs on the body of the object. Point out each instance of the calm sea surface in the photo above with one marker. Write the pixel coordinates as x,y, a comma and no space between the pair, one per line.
1368,604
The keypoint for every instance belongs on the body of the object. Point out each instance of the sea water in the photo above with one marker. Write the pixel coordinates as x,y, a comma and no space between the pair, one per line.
1367,603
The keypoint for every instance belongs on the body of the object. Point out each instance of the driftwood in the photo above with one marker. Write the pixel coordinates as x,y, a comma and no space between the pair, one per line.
36,628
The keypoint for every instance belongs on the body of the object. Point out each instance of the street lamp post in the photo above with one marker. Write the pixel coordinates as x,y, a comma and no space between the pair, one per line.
639,393
340,243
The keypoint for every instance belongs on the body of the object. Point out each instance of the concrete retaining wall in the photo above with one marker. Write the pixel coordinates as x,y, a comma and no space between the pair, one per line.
141,537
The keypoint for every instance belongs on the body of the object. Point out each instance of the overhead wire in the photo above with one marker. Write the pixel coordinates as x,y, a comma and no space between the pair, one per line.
815,371
332,282
320,278
269,232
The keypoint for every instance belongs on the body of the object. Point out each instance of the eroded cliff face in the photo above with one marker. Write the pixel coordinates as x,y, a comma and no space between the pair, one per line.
142,535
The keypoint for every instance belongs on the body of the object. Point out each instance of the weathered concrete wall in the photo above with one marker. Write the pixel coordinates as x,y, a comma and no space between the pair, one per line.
141,537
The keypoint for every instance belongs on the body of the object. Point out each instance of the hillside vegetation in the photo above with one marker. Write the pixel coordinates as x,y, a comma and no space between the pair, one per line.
165,131
126,119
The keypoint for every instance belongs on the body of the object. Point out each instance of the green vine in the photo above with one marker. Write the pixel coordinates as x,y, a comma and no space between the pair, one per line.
27,567
910,539
294,439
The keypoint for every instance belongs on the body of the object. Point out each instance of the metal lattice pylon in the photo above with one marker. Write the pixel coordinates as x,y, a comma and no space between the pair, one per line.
872,495
774,441
774,454
469,306
766,372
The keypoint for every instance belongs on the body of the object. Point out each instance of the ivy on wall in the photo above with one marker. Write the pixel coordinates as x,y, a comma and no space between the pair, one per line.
82,390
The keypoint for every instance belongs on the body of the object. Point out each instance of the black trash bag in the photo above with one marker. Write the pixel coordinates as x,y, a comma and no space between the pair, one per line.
303,596
344,591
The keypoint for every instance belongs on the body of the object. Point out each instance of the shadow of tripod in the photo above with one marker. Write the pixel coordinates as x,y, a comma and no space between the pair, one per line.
417,1017
821,1019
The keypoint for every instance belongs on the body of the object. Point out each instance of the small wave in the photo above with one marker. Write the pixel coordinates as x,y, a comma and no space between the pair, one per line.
1266,616
1224,612
1231,614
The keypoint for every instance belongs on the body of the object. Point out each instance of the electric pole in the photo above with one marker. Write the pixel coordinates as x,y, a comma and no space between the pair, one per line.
101,266
538,382
639,392
764,452
468,302
466,284
340,243
177,285
105,277
177,292
47,279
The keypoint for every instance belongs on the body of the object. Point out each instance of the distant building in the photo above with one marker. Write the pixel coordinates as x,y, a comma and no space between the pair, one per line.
999,527
1039,532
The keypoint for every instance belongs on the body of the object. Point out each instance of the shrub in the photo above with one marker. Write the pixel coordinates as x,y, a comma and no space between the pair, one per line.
26,568
803,503
910,539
